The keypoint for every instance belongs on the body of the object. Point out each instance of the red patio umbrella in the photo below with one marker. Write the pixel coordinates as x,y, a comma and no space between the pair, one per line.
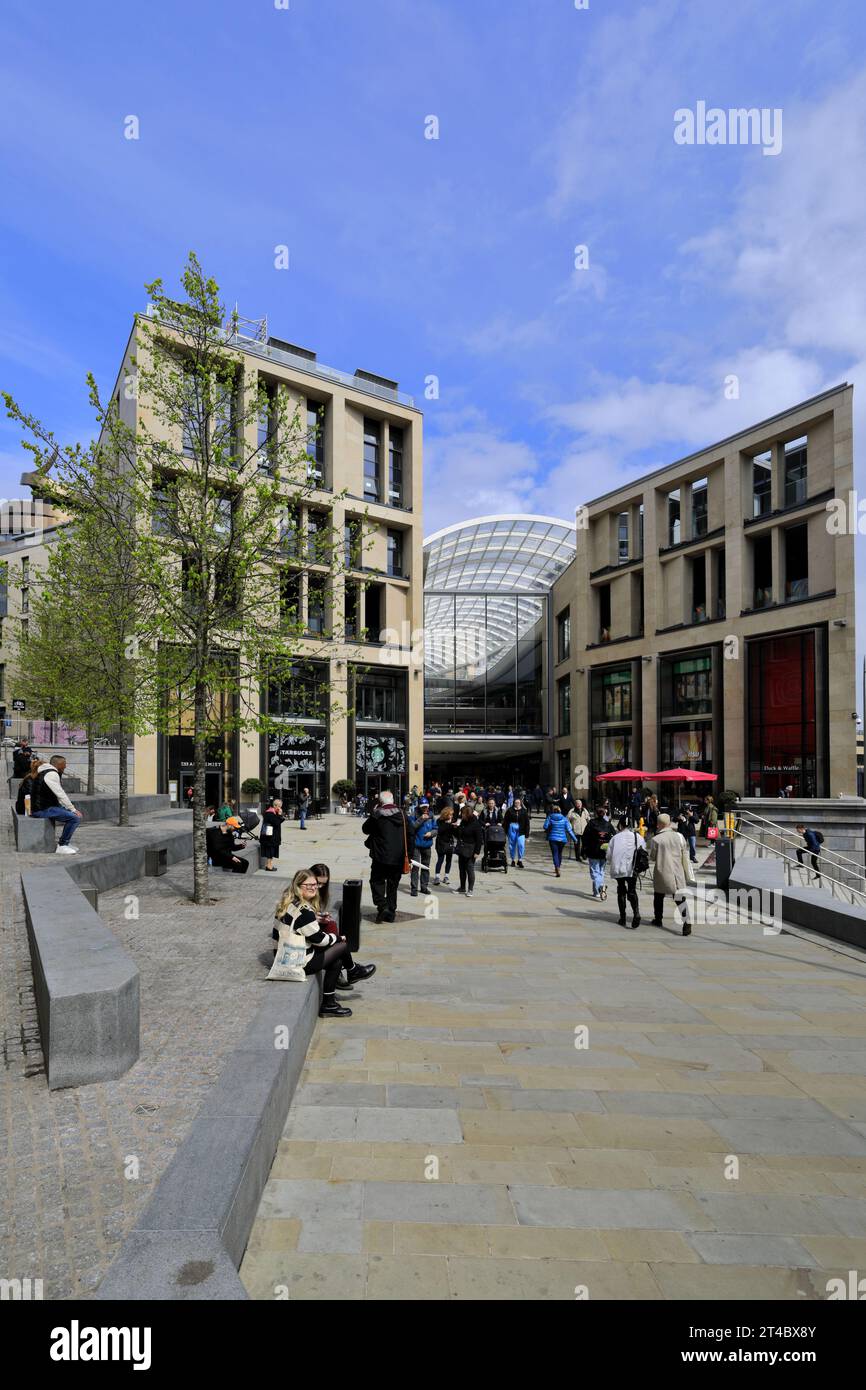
681,774
626,774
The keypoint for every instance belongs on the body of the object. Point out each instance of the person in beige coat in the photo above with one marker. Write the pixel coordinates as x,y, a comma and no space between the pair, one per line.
669,858
578,819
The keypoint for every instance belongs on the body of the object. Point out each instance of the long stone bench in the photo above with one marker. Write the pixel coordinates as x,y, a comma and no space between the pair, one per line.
34,834
86,984
191,1237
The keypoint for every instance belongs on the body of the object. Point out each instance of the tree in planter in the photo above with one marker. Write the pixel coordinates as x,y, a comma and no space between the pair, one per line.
253,787
88,603
220,469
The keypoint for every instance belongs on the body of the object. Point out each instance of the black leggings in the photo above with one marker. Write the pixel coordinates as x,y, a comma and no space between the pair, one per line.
332,960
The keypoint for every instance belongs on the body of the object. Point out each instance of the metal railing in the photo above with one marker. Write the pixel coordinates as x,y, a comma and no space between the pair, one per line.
856,897
790,837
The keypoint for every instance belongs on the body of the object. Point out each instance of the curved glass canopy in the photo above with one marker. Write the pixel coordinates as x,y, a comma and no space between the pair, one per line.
518,553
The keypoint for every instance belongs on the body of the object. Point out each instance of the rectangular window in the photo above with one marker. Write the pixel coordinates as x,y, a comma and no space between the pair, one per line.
797,562
164,518
640,529
795,472
564,704
4,588
301,695
352,544
317,542
316,604
700,508
223,426
674,517
721,600
604,613
563,635
380,698
351,610
616,695
190,415
762,555
290,529
395,553
622,538
266,436
699,590
762,484
373,612
395,466
290,597
316,440
638,614
372,432
692,685
786,713
223,509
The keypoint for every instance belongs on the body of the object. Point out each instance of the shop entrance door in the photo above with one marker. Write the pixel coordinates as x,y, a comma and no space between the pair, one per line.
213,788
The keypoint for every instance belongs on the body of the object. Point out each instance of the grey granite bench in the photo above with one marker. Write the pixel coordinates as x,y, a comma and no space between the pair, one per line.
191,1237
34,834
86,984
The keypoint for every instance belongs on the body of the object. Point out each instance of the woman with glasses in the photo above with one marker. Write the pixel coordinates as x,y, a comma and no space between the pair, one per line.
300,910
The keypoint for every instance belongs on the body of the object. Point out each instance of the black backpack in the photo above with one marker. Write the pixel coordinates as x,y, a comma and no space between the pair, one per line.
640,863
819,837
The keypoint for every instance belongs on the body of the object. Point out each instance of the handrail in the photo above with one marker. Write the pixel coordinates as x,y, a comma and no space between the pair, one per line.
782,830
795,864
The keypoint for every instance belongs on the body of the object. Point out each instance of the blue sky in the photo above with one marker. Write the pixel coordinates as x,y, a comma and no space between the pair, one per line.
455,257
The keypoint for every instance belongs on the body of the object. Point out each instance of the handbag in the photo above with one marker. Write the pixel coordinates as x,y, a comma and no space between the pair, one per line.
291,954
712,832
640,863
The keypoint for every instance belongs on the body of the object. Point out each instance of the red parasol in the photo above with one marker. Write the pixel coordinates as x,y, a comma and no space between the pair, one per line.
626,774
681,774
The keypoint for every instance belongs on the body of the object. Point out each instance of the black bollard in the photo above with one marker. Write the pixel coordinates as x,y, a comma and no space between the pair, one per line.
350,913
724,863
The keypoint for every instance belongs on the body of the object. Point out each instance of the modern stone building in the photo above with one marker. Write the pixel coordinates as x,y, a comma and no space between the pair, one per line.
707,618
363,619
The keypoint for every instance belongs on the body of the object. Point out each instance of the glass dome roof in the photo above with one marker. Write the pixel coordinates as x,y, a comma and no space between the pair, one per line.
491,553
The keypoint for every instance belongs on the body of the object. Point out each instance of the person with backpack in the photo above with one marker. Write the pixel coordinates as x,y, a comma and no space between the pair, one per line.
423,830
446,844
49,801
813,840
558,832
628,858
596,838
517,829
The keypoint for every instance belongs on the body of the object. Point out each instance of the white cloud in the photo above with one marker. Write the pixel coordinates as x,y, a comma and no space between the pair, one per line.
472,470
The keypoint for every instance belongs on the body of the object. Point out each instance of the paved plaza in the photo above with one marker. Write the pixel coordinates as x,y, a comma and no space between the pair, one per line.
451,1140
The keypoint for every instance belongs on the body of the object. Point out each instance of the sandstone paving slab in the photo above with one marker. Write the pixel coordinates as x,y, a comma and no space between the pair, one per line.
791,1133
469,1204
735,1213
752,1250
606,1209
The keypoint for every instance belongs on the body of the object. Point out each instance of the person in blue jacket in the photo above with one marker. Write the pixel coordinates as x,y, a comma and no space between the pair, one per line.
423,828
558,832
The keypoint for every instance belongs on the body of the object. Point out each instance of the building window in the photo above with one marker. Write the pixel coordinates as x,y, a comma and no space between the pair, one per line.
622,538
380,697
290,597
316,604
762,484
351,624
373,612
563,635
395,553
699,590
190,411
4,588
352,543
395,466
638,628
317,538
604,613
301,695
787,714
700,508
721,580
795,472
616,695
674,517
691,686
316,441
640,530
266,437
762,553
797,562
164,504
563,692
223,515
372,435
611,705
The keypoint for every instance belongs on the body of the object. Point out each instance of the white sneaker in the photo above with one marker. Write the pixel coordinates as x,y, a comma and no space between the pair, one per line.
437,881
469,894
446,879
65,849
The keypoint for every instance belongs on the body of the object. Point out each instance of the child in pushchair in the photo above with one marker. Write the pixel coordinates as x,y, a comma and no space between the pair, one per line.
494,856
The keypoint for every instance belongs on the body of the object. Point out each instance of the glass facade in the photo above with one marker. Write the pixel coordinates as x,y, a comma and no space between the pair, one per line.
688,701
484,663
612,706
787,714
378,730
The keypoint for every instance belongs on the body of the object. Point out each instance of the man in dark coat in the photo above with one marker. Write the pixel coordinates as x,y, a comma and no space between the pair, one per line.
387,840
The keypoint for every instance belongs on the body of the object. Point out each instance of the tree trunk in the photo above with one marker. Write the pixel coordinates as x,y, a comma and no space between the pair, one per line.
123,776
91,761
199,843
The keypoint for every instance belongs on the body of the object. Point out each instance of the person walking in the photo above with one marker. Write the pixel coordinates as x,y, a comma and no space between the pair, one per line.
672,870
517,823
578,819
303,807
388,843
558,832
566,801
634,805
470,840
446,844
596,838
628,857
710,819
688,828
813,840
423,828
492,814
270,834
49,801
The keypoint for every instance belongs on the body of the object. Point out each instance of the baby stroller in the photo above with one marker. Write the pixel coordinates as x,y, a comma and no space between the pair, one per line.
494,856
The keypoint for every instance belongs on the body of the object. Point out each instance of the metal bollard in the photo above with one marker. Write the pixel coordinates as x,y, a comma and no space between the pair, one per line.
350,913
